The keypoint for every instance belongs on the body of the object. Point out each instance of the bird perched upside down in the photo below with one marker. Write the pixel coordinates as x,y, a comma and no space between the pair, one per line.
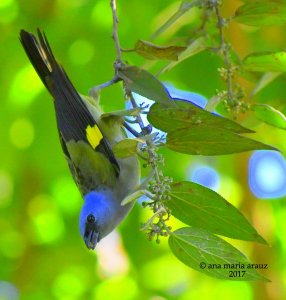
87,139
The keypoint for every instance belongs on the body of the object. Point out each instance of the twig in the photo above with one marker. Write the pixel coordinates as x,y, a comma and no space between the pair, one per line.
115,32
138,117
225,53
151,153
131,130
150,221
94,91
158,187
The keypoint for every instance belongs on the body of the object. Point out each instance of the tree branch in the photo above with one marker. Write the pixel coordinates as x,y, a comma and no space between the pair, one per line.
161,184
115,32
94,91
225,53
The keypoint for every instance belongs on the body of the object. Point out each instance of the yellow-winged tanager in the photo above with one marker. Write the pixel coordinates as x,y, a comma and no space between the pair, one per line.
87,140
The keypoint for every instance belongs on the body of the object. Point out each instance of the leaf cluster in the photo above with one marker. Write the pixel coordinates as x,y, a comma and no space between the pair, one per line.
193,130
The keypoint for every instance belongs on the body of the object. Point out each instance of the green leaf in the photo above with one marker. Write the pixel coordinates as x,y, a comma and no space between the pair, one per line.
195,47
262,13
145,84
266,79
187,115
212,103
126,147
201,207
185,6
211,255
211,141
270,115
265,62
152,51
133,197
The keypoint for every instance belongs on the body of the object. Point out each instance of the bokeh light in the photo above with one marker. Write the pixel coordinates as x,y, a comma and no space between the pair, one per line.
206,176
267,174
166,273
117,287
6,188
47,223
12,244
231,190
8,11
221,290
101,8
22,133
112,259
280,227
66,195
6,3
25,87
70,284
8,291
81,52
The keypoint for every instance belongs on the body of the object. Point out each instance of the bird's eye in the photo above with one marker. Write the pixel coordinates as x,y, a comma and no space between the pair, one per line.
90,218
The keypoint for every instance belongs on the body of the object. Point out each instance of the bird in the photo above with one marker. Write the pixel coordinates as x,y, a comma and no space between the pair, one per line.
87,138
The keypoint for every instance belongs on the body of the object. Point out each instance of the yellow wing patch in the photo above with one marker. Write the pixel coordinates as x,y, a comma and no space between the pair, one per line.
93,135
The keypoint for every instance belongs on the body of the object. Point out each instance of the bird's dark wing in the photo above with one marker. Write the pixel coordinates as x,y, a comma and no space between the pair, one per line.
73,118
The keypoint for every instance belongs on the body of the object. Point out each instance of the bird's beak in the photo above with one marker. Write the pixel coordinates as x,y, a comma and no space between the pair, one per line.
91,239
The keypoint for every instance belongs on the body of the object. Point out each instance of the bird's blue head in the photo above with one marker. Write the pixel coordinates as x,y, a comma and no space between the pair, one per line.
97,217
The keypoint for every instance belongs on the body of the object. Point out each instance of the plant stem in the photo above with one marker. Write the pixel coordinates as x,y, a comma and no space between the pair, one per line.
158,207
150,221
150,149
138,117
115,32
93,91
131,130
225,53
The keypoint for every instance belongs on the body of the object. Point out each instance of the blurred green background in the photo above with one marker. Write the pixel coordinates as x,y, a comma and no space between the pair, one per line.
41,253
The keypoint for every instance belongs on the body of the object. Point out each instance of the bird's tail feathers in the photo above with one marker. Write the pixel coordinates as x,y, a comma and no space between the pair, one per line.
75,122
40,55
